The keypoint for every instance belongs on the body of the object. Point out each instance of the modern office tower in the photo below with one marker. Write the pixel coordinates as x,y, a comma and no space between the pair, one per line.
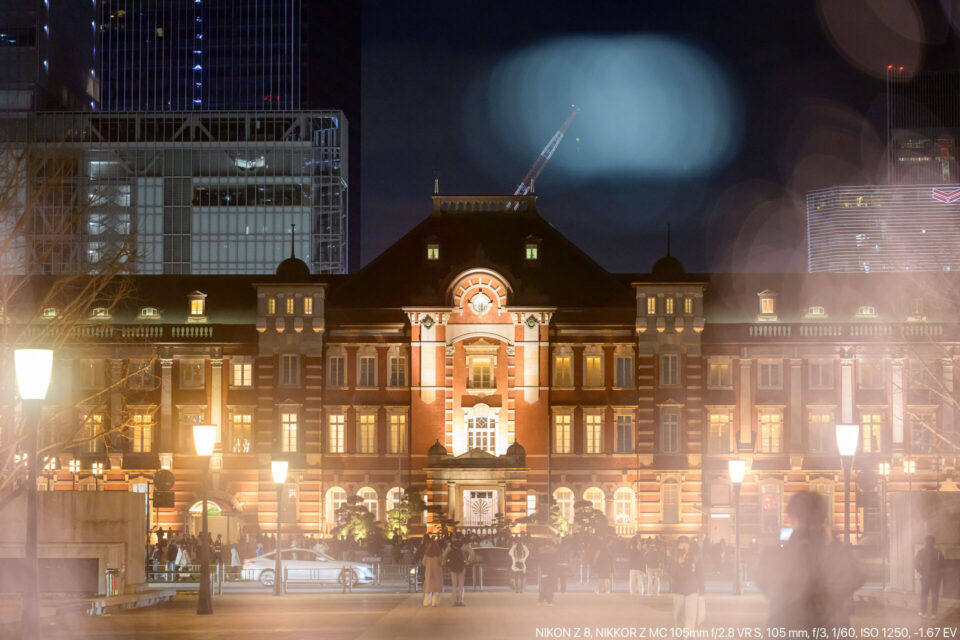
193,192
179,55
884,228
47,55
923,127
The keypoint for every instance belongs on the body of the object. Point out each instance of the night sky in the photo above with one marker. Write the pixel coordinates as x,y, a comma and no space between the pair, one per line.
801,86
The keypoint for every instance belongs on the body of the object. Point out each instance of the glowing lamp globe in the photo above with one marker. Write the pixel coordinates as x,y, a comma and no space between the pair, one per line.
33,368
279,469
204,437
737,470
847,437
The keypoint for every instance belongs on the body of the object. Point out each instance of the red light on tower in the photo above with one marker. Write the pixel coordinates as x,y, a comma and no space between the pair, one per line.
889,67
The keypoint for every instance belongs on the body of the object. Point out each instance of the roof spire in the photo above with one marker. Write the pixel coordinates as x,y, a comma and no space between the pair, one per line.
668,239
293,235
532,190
436,182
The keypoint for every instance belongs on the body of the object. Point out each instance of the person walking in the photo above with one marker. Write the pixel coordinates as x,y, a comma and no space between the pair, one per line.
603,565
811,580
518,555
549,565
928,563
654,562
686,586
638,568
183,561
172,552
455,562
432,573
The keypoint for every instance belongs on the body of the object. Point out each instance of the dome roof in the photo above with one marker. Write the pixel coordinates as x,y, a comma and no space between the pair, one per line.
293,270
437,449
516,449
668,268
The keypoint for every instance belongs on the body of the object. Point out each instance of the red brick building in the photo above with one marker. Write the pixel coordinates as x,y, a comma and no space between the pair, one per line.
484,328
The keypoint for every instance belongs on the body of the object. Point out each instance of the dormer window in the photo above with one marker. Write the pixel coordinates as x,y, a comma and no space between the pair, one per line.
308,306
271,306
290,302
149,313
49,313
916,310
197,305
768,306
100,313
866,311
433,251
532,251
816,312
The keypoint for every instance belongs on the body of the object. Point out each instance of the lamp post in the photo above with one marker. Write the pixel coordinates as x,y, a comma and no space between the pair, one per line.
737,468
74,470
97,469
204,437
279,470
884,471
848,435
33,369
909,468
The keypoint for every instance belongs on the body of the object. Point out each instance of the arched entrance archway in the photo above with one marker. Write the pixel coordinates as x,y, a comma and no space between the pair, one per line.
221,519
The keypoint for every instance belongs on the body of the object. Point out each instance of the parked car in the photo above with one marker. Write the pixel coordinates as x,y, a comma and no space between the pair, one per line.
304,565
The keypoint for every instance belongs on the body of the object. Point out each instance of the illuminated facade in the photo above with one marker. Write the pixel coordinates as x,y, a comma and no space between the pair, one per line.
486,361
192,192
884,228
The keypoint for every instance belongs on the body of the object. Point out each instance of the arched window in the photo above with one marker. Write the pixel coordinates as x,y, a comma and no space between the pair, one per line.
595,496
394,497
369,497
623,503
670,496
336,498
564,499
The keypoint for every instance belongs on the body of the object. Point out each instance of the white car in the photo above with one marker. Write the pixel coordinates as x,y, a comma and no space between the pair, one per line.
304,565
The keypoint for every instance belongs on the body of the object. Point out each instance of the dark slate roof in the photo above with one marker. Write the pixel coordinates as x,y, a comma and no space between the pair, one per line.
562,276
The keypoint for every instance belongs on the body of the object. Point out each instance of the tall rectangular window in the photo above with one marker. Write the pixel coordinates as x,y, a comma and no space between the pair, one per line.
871,428
593,433
368,371
397,440
624,428
241,374
562,442
562,374
335,433
821,434
335,372
191,374
308,306
624,371
668,304
771,428
289,370
771,374
196,307
922,425
688,305
288,431
398,371
291,304
718,438
92,433
768,306
433,251
593,370
531,251
91,374
670,430
481,372
871,374
670,369
141,433
719,375
820,374
141,375
241,432
271,305
367,433
651,305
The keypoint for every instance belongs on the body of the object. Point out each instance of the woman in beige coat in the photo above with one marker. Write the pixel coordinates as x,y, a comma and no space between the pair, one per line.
432,573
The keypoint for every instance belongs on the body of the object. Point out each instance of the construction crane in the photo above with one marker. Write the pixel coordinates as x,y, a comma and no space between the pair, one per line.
545,155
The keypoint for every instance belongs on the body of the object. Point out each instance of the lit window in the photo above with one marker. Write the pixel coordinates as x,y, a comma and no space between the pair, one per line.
149,313
565,500
668,306
290,305
719,436
821,433
241,432
771,424
767,306
594,495
242,374
288,434
593,370
308,306
670,430
335,431
815,311
197,306
100,313
92,428
50,312
289,369
593,433
531,251
368,497
670,369
623,502
336,498
651,305
482,434
562,442
433,251
481,372
531,504
397,440
871,426
367,433
624,428
141,435
271,306
688,305
562,376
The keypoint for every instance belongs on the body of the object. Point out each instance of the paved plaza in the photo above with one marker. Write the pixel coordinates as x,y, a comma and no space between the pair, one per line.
488,615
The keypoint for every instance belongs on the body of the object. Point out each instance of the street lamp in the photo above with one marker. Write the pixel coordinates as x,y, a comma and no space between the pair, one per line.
279,469
97,469
909,468
74,470
204,437
847,437
737,468
33,368
884,471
